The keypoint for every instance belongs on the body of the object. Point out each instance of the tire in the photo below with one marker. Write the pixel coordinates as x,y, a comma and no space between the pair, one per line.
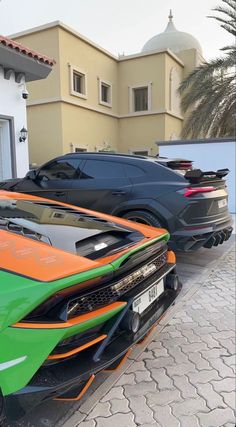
172,282
143,217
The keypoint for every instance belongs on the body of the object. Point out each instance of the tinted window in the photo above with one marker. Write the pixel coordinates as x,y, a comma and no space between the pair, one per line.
60,169
102,169
132,171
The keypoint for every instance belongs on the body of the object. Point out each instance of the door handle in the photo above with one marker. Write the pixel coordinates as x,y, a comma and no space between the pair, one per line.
60,193
118,193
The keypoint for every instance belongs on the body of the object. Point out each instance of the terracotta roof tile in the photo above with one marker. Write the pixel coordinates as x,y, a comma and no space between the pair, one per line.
26,51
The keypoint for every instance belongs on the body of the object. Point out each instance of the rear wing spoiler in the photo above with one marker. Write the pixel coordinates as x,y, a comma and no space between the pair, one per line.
196,175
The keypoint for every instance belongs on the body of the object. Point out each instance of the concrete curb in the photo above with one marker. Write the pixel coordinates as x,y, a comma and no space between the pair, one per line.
79,415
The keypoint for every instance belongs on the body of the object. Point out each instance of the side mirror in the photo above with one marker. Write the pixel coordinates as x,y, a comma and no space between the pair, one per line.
31,174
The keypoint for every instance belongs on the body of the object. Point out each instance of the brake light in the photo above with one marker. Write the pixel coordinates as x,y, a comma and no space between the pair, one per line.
57,298
180,165
190,191
184,166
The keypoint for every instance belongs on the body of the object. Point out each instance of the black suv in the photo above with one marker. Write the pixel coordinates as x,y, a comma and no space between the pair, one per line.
160,192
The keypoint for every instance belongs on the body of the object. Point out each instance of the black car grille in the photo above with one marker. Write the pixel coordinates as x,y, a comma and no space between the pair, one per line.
110,294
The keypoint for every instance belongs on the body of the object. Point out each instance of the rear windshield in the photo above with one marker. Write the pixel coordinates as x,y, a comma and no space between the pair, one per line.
59,226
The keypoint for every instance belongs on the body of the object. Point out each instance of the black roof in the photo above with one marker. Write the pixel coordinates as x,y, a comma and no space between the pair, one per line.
104,153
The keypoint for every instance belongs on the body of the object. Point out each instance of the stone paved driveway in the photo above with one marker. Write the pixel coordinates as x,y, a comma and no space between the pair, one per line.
186,375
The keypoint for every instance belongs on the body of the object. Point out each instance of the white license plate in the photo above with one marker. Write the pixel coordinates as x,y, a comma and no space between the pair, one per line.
146,298
222,203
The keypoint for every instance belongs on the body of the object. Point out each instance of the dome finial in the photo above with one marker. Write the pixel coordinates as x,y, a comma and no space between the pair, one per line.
170,16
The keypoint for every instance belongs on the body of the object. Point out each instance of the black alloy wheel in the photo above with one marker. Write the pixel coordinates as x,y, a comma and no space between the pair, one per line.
143,217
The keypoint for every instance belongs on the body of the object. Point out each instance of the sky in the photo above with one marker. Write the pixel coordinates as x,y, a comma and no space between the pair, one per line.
119,26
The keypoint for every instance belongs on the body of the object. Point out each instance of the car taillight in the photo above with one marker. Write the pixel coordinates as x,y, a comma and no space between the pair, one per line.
180,165
184,165
190,191
47,308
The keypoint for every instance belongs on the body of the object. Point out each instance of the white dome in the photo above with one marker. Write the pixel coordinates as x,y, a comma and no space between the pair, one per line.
172,39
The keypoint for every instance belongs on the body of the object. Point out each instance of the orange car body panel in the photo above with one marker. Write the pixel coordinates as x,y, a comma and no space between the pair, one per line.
45,263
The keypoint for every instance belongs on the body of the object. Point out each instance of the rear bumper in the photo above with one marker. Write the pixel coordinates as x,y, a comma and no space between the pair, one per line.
66,380
195,237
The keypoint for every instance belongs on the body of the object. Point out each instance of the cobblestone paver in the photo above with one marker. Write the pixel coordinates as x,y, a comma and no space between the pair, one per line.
185,377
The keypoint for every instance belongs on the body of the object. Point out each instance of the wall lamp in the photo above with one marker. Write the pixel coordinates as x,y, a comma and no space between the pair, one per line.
23,135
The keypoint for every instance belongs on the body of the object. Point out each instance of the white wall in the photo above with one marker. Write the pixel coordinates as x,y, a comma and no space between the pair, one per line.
12,104
5,150
208,156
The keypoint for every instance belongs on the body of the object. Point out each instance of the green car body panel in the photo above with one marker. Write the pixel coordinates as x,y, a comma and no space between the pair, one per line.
78,290
21,295
36,345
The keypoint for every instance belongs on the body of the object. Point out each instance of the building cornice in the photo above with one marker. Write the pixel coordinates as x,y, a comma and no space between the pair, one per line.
100,111
71,102
151,113
151,53
75,33
65,27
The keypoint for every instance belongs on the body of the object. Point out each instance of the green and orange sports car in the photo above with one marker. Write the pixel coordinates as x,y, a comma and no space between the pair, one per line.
78,289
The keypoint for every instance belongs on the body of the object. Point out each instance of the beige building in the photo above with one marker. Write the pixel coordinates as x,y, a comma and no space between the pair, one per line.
95,101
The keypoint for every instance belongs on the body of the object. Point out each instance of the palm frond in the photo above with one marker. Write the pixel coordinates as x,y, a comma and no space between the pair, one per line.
226,11
230,3
227,6
230,15
229,26
230,29
208,94
230,47
201,73
211,103
228,20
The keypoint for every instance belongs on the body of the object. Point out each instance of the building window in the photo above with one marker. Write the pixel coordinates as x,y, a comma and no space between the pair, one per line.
141,152
78,83
80,150
140,98
105,93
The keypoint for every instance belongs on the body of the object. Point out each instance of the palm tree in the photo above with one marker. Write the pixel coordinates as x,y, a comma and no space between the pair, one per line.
209,92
